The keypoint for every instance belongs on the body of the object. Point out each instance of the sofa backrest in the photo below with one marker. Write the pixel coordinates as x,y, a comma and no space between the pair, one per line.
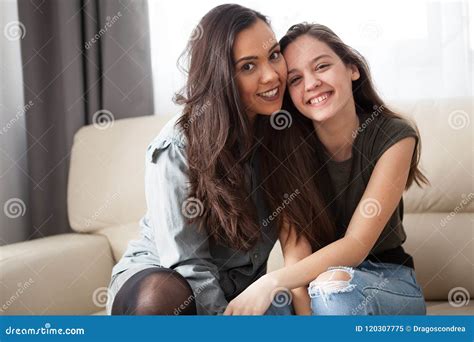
106,176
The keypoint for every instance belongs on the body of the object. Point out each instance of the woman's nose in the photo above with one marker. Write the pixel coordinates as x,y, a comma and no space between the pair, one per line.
269,74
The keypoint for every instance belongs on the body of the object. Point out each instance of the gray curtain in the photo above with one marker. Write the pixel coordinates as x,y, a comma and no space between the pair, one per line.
80,58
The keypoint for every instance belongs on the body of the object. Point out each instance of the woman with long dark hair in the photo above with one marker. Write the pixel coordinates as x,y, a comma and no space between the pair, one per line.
202,242
346,148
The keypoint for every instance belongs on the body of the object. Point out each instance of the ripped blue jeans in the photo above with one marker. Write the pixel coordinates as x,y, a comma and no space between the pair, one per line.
372,288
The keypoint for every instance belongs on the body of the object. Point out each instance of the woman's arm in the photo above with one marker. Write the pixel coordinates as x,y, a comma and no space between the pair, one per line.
181,246
384,191
294,250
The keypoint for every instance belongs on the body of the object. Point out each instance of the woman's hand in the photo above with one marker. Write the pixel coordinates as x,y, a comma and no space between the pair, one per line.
255,299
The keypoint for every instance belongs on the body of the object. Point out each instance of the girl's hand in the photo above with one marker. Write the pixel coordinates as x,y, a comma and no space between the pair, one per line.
255,299
295,249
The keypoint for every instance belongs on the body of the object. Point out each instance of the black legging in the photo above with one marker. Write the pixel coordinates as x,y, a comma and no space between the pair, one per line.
155,291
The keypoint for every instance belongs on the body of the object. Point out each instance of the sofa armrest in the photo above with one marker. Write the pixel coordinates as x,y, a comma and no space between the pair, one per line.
65,274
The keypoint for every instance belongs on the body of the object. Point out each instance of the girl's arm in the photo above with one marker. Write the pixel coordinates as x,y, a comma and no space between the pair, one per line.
294,250
384,191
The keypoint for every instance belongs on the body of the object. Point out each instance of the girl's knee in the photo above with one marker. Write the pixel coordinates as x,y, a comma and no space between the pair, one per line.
334,280
333,293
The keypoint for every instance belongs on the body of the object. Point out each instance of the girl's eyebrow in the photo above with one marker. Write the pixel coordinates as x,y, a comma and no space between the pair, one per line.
249,58
314,60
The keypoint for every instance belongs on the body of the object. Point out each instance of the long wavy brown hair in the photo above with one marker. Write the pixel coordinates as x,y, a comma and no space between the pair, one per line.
217,128
295,153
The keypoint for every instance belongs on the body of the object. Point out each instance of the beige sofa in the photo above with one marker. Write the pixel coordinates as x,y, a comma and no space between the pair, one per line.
69,273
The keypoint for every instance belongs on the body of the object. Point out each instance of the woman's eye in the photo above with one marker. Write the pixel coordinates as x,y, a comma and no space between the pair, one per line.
275,55
248,67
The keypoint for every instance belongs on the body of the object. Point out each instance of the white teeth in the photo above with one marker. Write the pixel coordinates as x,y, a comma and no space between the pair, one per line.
269,93
319,99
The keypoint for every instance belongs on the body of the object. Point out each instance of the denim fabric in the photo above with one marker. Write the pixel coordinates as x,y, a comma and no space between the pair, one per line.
373,289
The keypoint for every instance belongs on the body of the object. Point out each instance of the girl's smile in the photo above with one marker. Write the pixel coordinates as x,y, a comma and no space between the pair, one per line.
319,99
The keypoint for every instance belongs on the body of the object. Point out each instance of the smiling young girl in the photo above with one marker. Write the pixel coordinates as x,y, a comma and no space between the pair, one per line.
346,146
201,242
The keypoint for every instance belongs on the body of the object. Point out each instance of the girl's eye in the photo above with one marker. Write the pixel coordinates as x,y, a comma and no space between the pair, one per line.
248,67
293,80
275,55
322,66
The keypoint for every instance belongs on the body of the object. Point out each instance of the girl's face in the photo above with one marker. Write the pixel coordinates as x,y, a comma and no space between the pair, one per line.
319,83
260,69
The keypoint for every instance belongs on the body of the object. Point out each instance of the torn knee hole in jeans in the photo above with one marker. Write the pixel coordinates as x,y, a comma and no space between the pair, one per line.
334,280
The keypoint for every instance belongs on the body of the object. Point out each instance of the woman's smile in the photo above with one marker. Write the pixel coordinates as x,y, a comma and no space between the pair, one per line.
270,95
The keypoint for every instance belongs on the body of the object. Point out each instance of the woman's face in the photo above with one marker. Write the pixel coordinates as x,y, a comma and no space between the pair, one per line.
319,83
260,69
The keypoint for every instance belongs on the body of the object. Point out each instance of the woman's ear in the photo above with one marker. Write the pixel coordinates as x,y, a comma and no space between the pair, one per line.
355,74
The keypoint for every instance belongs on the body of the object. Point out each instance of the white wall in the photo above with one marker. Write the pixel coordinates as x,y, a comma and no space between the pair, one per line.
13,165
416,48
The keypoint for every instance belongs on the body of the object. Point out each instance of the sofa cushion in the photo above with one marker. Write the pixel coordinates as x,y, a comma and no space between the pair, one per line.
58,275
441,308
443,251
119,236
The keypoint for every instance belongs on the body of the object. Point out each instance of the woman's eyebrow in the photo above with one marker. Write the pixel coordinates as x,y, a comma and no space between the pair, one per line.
247,58
274,46
314,60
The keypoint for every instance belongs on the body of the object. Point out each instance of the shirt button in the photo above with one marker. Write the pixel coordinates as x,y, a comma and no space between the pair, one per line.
233,276
255,255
